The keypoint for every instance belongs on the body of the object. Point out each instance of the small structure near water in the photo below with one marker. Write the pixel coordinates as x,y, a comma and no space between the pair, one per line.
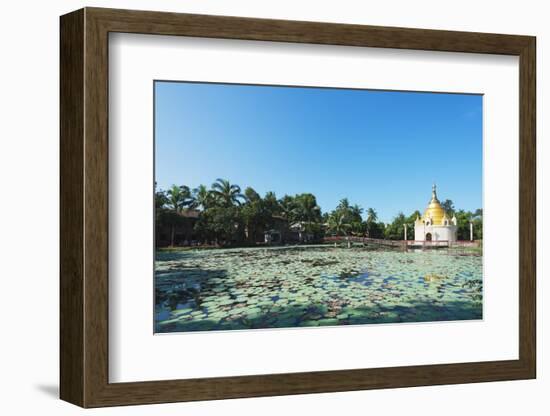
435,225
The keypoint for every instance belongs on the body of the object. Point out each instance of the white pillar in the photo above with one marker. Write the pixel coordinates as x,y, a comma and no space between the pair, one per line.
471,231
405,226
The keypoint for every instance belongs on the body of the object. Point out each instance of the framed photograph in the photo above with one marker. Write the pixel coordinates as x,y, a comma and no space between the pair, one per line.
255,207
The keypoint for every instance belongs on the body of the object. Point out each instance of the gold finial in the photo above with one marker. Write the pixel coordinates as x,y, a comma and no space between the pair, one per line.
434,193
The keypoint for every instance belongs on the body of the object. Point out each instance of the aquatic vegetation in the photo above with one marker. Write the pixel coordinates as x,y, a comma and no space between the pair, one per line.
277,287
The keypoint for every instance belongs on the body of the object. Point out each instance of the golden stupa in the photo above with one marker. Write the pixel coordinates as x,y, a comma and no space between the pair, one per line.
434,211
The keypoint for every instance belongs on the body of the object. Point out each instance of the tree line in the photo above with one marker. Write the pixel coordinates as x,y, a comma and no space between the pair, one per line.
395,230
229,216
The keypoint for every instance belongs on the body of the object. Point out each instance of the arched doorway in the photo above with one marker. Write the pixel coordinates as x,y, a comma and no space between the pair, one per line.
429,237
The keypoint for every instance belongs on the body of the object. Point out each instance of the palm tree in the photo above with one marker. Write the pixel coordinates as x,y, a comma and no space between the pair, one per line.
251,195
355,212
449,207
201,197
343,205
252,213
307,209
160,208
271,205
337,223
228,194
288,209
372,216
160,200
178,197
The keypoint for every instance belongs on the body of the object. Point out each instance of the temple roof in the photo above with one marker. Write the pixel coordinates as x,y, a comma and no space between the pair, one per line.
434,210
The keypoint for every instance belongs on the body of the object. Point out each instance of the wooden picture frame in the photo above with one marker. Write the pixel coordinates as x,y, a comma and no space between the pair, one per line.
84,207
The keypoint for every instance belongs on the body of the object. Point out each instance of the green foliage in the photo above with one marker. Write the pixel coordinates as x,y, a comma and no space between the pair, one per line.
256,213
395,230
308,214
202,198
373,228
316,229
346,219
477,220
271,204
449,207
226,194
372,215
307,209
161,200
463,224
337,223
178,197
221,224
376,229
411,219
227,216
168,207
288,208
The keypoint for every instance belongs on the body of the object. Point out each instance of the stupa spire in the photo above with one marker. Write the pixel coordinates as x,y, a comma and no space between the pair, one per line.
434,193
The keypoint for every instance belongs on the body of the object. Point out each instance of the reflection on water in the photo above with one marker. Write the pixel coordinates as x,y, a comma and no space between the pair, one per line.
312,286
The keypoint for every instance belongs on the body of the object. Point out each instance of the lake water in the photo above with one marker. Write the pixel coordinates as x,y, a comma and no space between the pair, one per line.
226,289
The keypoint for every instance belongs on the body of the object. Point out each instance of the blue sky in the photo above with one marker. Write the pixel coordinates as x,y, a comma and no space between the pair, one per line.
380,149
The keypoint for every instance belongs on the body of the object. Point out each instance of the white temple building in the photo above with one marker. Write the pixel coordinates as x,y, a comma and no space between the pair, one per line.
435,225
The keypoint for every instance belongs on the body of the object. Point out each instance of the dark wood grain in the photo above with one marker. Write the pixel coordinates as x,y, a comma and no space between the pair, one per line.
96,219
527,208
84,207
71,100
162,23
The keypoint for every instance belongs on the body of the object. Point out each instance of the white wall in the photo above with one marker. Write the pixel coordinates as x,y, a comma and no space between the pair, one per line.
439,233
29,209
